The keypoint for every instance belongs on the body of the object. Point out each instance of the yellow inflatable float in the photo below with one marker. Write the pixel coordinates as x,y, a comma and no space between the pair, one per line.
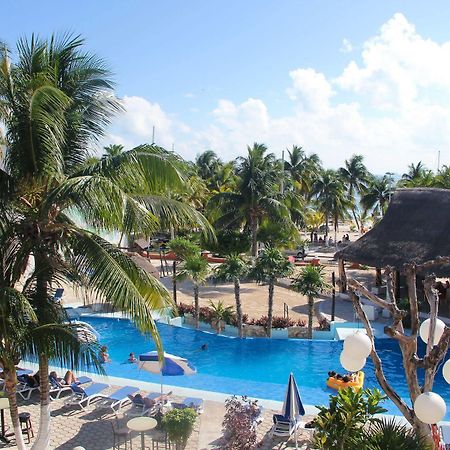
358,383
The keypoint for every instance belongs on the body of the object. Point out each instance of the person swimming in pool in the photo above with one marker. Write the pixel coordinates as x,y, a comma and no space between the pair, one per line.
204,347
104,356
132,358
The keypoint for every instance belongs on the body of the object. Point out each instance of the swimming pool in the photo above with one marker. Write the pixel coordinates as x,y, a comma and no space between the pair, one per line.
256,367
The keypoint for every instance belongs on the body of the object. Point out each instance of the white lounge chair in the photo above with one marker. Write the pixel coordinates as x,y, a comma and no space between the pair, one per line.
118,398
190,402
57,388
86,395
283,427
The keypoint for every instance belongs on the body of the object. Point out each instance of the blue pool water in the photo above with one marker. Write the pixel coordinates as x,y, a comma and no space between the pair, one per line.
255,367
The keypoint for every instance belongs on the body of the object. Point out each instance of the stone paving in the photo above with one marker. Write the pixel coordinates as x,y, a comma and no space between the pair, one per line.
92,428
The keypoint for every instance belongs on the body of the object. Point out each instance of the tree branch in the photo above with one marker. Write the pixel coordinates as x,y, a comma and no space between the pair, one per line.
410,272
407,412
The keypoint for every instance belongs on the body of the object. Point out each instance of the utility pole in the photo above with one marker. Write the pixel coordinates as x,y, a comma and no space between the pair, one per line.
439,161
153,135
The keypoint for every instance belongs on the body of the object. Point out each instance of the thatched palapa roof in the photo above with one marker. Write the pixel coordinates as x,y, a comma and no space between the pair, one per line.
415,228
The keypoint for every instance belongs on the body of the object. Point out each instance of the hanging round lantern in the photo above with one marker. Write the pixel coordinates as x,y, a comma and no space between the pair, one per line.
350,362
430,407
425,330
446,371
358,344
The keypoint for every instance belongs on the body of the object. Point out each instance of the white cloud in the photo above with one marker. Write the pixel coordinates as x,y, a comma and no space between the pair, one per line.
346,47
391,104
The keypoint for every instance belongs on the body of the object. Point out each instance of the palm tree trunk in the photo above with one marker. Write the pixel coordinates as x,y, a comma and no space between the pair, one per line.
196,306
237,296
10,383
326,224
310,315
254,226
43,438
270,311
355,219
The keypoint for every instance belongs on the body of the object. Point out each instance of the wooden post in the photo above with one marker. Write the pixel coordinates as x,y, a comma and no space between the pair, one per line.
378,277
342,276
333,296
174,281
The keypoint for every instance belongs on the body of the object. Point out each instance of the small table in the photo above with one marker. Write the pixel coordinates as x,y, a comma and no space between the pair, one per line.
141,425
4,404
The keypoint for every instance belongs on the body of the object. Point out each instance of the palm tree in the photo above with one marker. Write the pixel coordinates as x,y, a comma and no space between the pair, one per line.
330,196
207,164
302,169
377,195
220,314
54,104
415,171
234,269
113,150
255,197
270,266
196,268
311,283
355,176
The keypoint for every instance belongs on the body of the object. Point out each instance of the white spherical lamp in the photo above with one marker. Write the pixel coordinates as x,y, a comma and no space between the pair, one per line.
430,407
351,362
358,344
446,371
425,330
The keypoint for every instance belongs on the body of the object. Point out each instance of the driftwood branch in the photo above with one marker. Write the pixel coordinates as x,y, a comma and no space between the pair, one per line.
407,412
438,261
410,272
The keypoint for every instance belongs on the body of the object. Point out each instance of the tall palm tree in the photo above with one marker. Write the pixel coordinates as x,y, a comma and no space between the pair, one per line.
330,196
234,269
302,169
195,268
311,283
415,171
55,102
271,265
255,196
377,195
355,176
207,164
113,150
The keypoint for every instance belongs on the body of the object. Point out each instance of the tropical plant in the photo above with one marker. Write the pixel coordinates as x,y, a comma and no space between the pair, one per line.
389,434
239,432
55,101
228,242
196,268
377,195
255,197
311,283
179,424
355,176
415,171
330,197
220,314
281,235
271,265
340,426
302,169
234,269
207,164
113,150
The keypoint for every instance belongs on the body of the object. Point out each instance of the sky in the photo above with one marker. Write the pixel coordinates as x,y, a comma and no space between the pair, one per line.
336,78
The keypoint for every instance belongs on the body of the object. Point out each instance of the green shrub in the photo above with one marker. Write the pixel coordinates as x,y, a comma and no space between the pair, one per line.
388,434
341,425
179,424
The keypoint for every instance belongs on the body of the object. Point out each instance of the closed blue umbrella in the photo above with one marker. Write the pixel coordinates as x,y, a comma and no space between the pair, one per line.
170,366
292,406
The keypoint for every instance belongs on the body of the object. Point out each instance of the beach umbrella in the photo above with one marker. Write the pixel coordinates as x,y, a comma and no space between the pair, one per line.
170,366
292,406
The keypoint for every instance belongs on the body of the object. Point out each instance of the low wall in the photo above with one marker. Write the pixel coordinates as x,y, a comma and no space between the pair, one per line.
251,331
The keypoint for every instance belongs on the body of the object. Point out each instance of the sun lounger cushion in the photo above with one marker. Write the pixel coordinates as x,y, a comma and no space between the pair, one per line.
123,392
93,389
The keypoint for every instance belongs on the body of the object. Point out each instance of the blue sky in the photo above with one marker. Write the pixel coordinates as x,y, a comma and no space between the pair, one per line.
223,74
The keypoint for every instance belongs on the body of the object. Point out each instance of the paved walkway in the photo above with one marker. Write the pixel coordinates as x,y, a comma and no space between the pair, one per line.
92,429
